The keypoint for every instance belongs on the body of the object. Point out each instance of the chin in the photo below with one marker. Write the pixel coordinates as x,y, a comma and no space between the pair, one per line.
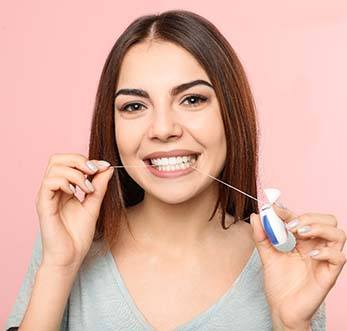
172,197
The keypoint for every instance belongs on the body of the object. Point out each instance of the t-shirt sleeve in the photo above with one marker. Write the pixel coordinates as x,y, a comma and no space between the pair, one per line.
318,322
24,294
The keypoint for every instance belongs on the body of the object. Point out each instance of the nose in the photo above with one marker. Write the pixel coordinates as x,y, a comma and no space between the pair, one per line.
164,126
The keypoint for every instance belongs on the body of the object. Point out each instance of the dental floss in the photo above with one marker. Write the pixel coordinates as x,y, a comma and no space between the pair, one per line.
233,187
128,166
274,227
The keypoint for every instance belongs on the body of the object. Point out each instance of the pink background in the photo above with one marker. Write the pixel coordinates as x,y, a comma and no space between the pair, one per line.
52,54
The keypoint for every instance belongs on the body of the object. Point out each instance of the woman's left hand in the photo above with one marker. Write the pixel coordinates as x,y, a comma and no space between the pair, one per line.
295,283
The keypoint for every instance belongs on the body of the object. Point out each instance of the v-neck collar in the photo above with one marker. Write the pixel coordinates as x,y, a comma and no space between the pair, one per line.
200,319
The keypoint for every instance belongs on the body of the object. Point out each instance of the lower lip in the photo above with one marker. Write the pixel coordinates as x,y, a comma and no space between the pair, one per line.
171,173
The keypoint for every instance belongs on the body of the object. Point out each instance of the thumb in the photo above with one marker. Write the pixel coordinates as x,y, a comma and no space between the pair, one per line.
260,238
93,201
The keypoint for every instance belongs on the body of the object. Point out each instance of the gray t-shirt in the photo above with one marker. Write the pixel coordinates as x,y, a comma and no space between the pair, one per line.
99,300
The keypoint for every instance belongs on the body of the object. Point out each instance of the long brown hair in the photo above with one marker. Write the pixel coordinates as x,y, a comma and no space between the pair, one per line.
213,52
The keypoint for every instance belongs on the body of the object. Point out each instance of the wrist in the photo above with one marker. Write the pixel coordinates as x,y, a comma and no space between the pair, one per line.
68,271
279,325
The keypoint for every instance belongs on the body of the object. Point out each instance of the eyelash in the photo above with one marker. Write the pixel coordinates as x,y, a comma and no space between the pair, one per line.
201,99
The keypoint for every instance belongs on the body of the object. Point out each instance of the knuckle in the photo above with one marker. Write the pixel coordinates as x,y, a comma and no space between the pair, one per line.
80,177
52,158
52,180
309,214
46,182
81,156
333,219
65,182
49,169
305,217
343,235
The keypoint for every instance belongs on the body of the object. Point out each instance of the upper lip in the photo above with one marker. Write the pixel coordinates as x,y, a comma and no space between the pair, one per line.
175,152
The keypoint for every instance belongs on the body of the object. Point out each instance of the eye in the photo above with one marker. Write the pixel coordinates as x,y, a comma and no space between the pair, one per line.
195,100
136,107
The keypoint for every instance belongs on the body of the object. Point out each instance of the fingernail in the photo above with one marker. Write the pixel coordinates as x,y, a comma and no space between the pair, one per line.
72,188
314,252
251,218
89,185
103,164
304,229
91,166
292,224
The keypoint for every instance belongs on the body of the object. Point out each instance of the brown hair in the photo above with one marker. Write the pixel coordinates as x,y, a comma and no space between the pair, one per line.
213,52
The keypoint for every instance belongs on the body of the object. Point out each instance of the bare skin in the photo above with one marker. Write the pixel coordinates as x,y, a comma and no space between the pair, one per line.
192,279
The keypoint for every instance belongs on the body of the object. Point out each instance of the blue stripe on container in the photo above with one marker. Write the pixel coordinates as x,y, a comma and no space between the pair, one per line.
269,231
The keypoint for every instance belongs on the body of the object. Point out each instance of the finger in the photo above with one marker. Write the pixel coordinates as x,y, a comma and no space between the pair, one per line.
300,220
284,213
335,257
48,191
262,242
78,161
336,237
74,176
57,183
93,201
79,193
312,218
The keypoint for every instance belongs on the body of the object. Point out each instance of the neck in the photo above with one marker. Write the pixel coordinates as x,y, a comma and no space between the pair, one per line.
176,227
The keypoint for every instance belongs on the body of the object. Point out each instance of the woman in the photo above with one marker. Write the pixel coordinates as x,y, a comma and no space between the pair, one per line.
157,244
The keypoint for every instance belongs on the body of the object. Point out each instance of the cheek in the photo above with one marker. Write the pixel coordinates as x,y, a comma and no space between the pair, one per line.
127,137
209,130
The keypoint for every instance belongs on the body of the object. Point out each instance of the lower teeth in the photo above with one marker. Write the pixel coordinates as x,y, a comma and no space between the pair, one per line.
176,167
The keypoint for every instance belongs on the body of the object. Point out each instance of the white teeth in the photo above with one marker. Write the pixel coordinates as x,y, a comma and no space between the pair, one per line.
163,161
173,161
179,166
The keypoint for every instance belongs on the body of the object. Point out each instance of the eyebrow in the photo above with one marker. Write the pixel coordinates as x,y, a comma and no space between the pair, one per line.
174,91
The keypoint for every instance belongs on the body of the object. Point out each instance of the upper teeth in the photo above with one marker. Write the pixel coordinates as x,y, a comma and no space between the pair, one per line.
173,160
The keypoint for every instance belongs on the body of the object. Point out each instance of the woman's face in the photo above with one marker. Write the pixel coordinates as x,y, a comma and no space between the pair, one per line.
159,120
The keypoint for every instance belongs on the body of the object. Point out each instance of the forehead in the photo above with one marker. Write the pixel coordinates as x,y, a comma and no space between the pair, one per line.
158,64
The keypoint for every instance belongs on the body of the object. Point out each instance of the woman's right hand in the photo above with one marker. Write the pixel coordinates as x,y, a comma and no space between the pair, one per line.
67,224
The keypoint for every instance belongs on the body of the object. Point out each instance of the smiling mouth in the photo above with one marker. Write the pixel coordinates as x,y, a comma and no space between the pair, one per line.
172,163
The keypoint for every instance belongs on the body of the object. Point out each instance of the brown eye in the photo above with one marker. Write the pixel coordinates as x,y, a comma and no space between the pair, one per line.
195,100
136,107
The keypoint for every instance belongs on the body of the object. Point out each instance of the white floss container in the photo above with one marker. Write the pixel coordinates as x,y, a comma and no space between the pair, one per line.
274,227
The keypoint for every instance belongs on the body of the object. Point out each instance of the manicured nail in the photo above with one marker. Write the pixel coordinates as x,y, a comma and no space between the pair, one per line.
89,185
251,219
91,166
103,164
292,224
73,190
314,252
304,229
